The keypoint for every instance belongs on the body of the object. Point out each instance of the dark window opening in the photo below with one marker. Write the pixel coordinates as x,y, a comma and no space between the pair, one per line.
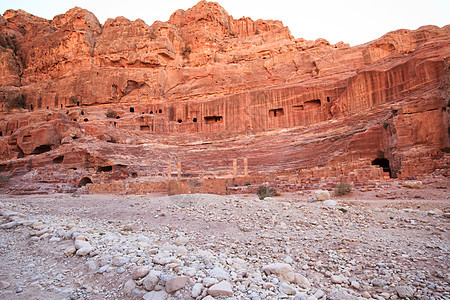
278,112
31,106
47,107
1,133
151,112
160,111
61,106
73,169
74,120
134,175
118,117
194,120
26,138
180,121
82,112
131,109
143,112
104,169
299,107
328,99
78,103
67,112
213,119
58,159
41,149
85,120
3,168
383,163
313,103
145,128
84,181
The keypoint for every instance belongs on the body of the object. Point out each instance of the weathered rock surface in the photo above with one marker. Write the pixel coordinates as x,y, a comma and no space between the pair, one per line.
203,89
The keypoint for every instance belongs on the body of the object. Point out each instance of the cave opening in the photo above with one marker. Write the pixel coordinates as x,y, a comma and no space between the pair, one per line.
41,149
104,169
131,109
78,103
134,175
160,111
383,163
194,120
58,159
1,133
84,181
180,121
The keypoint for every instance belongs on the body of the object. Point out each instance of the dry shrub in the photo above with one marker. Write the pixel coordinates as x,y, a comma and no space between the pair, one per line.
265,191
111,113
342,189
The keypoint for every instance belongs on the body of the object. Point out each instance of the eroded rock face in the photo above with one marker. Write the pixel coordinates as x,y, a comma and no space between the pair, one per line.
302,110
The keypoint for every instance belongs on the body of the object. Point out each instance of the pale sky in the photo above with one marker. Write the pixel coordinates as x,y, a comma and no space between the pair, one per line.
352,21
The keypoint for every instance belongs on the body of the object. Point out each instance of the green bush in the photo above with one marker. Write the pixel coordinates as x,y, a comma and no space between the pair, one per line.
265,191
342,189
111,113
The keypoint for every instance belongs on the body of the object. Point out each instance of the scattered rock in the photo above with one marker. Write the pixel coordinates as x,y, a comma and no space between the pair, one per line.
322,195
287,289
140,272
404,291
281,270
223,288
175,283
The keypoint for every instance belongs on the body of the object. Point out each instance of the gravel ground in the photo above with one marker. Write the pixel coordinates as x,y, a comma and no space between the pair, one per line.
370,244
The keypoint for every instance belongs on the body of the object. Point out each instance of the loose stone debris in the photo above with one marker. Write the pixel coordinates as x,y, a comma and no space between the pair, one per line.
195,247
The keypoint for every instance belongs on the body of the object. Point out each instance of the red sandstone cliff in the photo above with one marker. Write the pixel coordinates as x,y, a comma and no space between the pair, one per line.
205,88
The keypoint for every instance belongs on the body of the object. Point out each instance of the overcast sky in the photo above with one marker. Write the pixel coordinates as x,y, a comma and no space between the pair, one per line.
352,21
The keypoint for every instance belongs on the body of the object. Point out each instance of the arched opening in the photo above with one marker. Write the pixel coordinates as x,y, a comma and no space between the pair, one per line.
160,111
194,120
84,181
82,112
131,109
151,112
383,163
134,175
118,117
78,103
31,106
328,99
61,106
85,120
1,133
180,121
41,149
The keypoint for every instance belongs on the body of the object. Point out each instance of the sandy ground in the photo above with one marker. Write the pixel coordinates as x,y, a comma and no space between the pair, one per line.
382,238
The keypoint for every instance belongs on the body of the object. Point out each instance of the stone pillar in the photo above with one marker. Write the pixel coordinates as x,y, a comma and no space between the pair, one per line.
234,168
245,167
179,170
169,171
